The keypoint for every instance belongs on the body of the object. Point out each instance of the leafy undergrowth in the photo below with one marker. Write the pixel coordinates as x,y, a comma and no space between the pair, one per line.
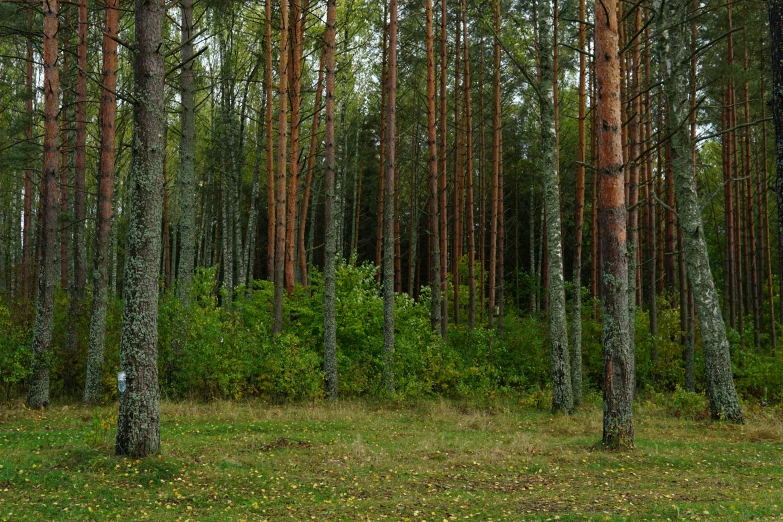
371,461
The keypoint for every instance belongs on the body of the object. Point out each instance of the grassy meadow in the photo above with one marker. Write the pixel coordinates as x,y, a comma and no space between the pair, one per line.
433,461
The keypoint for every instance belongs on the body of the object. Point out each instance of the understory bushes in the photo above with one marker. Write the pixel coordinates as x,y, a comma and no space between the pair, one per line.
208,349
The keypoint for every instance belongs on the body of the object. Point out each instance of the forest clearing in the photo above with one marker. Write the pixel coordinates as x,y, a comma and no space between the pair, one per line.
434,461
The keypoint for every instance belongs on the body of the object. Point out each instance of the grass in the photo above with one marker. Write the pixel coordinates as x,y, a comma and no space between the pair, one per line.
369,461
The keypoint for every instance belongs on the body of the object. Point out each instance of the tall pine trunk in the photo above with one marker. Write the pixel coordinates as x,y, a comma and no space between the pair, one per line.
330,327
618,394
432,162
388,210
108,113
38,396
138,432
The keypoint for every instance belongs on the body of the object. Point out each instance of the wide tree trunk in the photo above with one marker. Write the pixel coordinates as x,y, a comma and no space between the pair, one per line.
672,26
562,393
388,211
618,394
776,101
108,112
330,326
138,432
187,157
38,396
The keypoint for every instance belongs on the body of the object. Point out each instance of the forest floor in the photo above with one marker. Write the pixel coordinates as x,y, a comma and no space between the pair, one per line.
435,461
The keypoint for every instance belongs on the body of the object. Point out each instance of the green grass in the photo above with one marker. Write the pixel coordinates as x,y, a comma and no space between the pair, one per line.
369,461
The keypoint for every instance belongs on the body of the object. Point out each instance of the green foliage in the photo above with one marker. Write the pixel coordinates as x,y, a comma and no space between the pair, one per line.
15,353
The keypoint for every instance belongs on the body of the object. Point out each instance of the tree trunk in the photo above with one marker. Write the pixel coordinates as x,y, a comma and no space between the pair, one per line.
280,184
388,211
469,174
432,162
776,101
562,394
187,156
444,315
576,359
310,168
382,171
270,150
618,429
459,203
330,327
38,396
138,432
295,78
672,25
493,190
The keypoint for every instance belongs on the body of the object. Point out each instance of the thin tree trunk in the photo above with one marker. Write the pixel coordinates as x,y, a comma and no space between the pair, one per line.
330,327
576,359
469,174
310,168
187,156
459,203
280,184
493,191
750,227
763,194
138,432
38,396
388,211
295,78
270,150
432,180
672,26
651,215
382,171
562,394
618,429
444,315
252,216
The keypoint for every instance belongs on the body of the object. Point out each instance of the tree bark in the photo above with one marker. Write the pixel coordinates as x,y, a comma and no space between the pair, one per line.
38,396
138,432
330,327
270,151
388,211
672,25
469,174
775,8
442,177
310,168
187,157
562,394
280,183
27,206
432,162
576,359
493,184
618,429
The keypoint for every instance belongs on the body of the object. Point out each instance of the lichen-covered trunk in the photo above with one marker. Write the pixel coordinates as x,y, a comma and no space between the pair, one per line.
100,278
562,393
672,26
432,162
138,431
618,429
38,396
388,211
330,254
187,157
576,329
